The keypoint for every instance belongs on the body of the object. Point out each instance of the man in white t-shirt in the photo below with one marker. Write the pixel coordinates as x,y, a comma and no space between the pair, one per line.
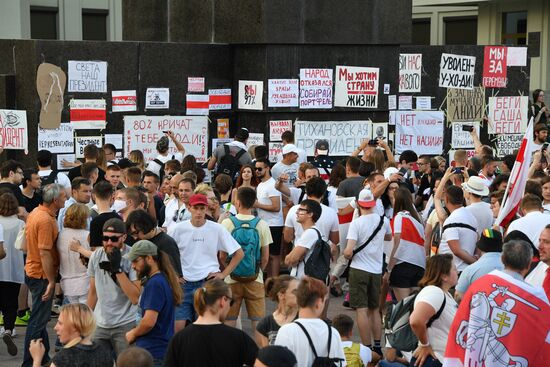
489,166
534,220
365,273
269,206
474,190
163,144
44,160
297,194
175,210
199,241
288,165
287,137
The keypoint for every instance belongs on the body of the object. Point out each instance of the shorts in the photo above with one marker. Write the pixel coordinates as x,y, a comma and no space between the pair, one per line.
186,310
277,235
364,289
253,294
406,275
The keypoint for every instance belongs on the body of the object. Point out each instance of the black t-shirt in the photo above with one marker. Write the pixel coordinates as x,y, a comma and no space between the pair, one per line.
350,187
210,346
96,227
31,203
268,327
170,247
95,355
159,209
75,172
424,184
15,190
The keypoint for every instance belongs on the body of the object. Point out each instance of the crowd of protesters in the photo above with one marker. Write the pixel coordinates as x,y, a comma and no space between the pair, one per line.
146,264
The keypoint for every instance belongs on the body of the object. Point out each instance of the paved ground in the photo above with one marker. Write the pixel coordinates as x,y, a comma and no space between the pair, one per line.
8,361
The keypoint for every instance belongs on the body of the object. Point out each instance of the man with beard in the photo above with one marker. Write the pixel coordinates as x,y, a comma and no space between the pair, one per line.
175,210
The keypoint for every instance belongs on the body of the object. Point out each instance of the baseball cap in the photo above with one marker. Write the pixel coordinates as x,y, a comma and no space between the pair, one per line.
277,356
322,147
198,199
242,134
125,163
141,248
366,199
114,225
290,148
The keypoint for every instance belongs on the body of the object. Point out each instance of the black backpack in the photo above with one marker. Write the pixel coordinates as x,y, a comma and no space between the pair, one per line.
321,361
49,179
318,264
161,169
437,233
229,164
324,200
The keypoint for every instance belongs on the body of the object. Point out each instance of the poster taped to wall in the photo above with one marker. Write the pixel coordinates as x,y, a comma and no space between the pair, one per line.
124,100
60,140
419,131
277,128
282,92
343,136
251,93
410,73
88,113
13,130
494,67
457,71
356,87
157,98
508,115
462,139
465,105
81,142
87,76
315,88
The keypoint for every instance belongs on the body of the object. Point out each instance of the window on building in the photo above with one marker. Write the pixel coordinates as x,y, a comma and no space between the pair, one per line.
461,31
94,25
44,23
514,28
421,32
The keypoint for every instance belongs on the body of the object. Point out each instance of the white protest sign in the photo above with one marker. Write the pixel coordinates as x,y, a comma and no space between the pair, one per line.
124,100
508,143
277,128
275,149
115,139
251,93
157,98
216,142
58,140
423,103
419,131
410,73
392,102
392,117
13,130
282,92
508,115
405,102
315,88
462,139
356,87
80,143
343,136
195,84
143,132
380,130
457,71
516,56
87,76
255,139
64,157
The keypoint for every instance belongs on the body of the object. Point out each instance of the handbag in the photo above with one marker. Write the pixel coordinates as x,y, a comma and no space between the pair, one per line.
21,240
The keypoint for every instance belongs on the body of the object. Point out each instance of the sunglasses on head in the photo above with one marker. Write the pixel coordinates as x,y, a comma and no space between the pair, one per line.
112,238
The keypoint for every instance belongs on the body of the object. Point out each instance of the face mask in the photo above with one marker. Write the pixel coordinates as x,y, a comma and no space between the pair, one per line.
118,206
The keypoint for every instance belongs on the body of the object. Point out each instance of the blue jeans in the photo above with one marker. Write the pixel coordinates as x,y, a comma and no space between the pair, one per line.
40,315
384,363
186,310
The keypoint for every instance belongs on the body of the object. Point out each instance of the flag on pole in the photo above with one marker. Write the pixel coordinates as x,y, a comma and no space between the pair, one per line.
518,178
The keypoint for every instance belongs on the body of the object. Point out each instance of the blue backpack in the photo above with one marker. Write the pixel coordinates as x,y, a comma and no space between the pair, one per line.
246,234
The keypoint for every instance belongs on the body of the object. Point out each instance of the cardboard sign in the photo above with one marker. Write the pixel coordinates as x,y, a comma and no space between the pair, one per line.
380,130
124,100
343,136
405,102
277,128
50,86
410,73
251,93
195,84
356,87
157,98
115,139
423,103
13,130
219,99
508,144
88,76
516,56
255,139
282,92
60,140
315,88
465,105
80,143
275,149
457,71
143,132
197,104
508,115
462,139
494,67
88,113
223,128
392,102
419,131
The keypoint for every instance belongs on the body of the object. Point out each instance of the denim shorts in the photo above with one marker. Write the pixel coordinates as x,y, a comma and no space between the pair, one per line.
186,310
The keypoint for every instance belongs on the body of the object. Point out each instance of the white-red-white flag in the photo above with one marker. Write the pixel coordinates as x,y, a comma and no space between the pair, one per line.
518,178
197,104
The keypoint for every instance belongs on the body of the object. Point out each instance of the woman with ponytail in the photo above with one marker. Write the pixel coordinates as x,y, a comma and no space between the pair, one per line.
208,342
74,329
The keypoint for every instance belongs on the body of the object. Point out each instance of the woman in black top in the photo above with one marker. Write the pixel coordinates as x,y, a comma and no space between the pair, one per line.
538,110
74,328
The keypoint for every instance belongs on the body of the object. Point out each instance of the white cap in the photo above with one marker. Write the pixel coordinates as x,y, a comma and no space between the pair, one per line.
390,171
290,148
366,199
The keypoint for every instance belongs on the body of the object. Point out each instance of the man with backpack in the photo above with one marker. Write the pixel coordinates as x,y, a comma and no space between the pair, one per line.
297,194
163,144
231,156
49,176
247,281
357,355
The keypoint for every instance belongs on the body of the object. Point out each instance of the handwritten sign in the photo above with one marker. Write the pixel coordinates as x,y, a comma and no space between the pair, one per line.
508,144
343,136
13,129
195,84
457,71
460,138
82,141
255,139
465,105
282,92
88,113
410,73
469,153
250,95
277,128
88,76
405,102
275,150
419,131
508,115
315,88
58,140
219,99
356,87
124,100
423,103
143,132
157,98
494,67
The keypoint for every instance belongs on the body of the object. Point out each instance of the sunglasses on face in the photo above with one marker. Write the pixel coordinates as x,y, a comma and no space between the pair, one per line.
112,238
259,169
